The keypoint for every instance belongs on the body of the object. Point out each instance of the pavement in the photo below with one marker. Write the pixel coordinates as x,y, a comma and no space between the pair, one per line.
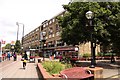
110,70
13,69
10,69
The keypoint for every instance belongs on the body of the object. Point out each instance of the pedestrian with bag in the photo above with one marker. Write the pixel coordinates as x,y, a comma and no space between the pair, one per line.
24,59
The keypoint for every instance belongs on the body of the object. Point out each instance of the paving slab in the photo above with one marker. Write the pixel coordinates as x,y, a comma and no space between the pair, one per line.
15,70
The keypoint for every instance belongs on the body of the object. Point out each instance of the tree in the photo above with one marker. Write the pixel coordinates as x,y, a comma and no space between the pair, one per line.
106,23
17,46
8,46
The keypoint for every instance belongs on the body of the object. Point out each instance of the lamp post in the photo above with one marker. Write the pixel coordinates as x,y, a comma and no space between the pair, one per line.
18,29
17,23
89,16
43,40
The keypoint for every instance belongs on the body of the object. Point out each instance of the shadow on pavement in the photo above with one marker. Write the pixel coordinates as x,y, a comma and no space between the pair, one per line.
103,64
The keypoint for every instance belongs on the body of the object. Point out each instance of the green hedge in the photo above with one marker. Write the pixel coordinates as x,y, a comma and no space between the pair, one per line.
54,67
106,54
86,55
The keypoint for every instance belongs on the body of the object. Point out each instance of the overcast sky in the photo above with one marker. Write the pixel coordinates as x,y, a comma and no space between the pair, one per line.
29,12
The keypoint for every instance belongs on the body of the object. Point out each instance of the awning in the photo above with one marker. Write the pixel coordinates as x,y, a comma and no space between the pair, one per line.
66,49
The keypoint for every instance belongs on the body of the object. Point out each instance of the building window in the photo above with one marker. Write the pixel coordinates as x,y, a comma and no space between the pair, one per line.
58,33
47,24
50,31
50,21
49,44
60,43
53,35
57,28
53,20
49,36
43,25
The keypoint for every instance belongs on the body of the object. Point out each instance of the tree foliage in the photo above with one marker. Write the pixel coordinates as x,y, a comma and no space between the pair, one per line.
8,46
17,46
106,23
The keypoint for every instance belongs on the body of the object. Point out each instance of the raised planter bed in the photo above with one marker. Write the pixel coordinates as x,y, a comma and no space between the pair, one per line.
45,74
75,72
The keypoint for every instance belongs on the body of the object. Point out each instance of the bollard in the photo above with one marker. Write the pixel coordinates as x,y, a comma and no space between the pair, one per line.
39,60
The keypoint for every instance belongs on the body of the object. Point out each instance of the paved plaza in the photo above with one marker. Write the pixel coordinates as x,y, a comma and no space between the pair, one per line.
13,69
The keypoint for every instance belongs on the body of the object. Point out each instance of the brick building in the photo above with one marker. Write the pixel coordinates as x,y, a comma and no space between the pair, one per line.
53,44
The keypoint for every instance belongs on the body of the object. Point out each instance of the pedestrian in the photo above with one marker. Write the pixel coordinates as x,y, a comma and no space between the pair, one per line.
8,55
24,63
14,56
24,57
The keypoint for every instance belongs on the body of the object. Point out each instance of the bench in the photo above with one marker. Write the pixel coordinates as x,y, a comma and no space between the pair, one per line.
77,73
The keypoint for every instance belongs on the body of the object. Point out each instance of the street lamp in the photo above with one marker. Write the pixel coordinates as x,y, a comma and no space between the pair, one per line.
89,16
18,29
22,32
43,40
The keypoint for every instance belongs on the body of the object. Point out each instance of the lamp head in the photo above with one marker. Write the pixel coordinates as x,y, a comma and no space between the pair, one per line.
89,15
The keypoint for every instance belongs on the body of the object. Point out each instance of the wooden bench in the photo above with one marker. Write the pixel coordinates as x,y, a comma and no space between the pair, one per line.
77,73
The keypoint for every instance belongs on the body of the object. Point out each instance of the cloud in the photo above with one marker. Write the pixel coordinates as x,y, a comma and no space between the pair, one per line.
29,12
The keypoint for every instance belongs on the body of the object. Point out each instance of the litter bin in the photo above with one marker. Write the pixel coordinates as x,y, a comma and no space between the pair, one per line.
39,60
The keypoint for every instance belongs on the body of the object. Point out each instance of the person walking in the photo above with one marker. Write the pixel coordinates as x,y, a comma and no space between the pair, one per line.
24,60
8,55
14,56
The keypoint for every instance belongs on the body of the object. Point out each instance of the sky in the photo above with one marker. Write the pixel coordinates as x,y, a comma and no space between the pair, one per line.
31,13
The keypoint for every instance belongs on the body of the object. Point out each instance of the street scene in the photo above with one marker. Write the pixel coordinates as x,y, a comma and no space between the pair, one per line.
66,39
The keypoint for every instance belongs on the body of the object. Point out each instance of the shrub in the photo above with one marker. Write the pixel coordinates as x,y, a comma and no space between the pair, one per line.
67,65
86,55
100,54
53,67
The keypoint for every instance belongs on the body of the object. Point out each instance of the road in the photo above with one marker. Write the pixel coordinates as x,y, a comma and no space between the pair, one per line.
13,69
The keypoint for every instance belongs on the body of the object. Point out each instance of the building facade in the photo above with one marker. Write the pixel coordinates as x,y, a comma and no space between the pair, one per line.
53,43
